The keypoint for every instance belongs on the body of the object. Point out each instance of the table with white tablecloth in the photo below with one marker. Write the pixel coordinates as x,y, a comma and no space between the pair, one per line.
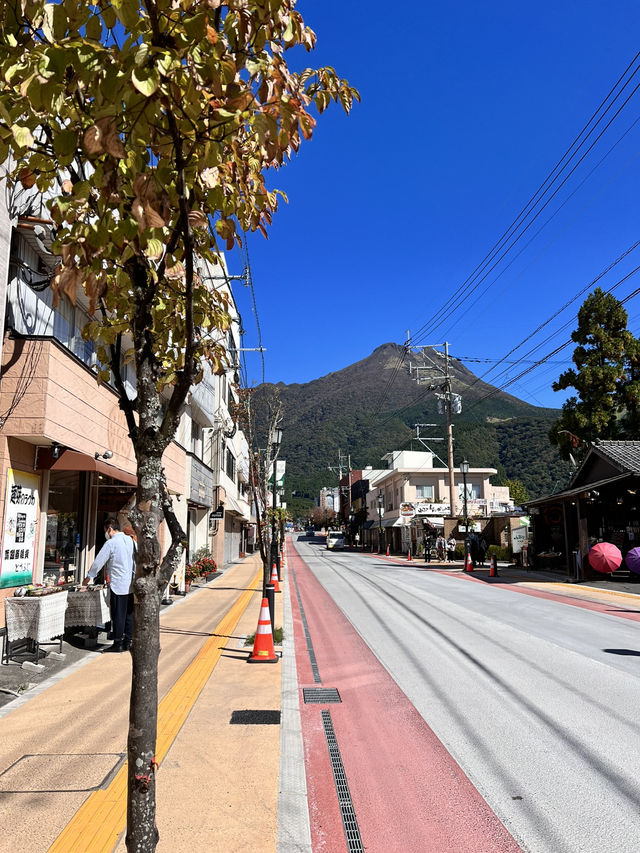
39,619
88,608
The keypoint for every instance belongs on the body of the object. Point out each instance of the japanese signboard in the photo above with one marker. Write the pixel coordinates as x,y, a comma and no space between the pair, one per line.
519,538
17,555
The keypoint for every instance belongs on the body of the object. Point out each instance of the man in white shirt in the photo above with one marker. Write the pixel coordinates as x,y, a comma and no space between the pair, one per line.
117,555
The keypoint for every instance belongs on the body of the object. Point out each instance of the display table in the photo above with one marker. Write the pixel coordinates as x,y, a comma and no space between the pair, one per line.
38,619
88,608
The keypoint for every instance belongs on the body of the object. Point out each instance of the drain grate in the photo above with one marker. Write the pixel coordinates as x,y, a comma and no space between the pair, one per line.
312,655
349,822
320,695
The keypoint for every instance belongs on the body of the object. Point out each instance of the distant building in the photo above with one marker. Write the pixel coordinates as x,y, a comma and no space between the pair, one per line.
329,499
415,500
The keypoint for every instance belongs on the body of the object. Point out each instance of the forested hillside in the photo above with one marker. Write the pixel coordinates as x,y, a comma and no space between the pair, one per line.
371,407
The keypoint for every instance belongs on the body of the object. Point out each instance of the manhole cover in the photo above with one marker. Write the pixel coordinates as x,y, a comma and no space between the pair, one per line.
320,695
48,773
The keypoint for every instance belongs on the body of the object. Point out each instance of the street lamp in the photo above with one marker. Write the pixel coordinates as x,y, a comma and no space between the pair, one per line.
464,470
380,502
276,441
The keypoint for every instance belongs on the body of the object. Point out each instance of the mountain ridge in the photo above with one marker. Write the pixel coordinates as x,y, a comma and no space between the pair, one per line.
370,407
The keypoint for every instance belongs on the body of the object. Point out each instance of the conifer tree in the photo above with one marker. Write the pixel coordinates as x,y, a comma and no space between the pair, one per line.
606,377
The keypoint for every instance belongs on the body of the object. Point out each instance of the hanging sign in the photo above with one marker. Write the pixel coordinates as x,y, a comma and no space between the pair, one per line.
18,552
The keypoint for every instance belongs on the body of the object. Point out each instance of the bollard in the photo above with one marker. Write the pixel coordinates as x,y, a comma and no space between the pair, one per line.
271,598
493,567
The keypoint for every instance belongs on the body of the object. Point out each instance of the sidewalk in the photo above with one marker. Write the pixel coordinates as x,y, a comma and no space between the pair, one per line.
217,787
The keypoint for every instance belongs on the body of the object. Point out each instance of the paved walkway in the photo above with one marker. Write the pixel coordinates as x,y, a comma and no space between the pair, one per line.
62,774
232,776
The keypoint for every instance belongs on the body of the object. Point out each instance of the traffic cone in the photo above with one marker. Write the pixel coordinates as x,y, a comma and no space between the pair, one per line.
387,550
274,579
468,563
263,644
493,566
409,555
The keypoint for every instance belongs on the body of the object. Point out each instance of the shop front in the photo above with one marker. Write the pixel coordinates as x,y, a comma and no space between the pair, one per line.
601,504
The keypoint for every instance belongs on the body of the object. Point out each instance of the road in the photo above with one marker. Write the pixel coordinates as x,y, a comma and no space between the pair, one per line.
535,698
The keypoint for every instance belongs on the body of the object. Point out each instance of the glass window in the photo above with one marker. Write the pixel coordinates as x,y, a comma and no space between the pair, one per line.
62,546
231,465
424,492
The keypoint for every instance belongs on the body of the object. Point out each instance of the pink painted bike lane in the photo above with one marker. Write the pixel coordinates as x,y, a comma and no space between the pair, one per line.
407,794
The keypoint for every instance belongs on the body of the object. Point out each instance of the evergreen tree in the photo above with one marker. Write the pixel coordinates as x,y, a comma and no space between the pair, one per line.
606,377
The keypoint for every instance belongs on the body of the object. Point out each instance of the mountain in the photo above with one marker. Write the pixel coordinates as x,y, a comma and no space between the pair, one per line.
370,408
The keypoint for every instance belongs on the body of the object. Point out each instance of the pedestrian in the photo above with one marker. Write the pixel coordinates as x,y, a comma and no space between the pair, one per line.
451,548
427,544
441,547
482,550
117,556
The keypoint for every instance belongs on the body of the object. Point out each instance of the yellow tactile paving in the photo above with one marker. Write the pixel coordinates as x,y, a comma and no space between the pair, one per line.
101,820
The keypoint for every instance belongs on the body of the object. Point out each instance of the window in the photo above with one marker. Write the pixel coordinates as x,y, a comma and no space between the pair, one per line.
424,492
231,465
196,439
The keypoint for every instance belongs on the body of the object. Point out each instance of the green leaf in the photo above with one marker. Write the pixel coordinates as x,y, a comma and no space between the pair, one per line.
145,81
94,28
22,136
55,23
65,142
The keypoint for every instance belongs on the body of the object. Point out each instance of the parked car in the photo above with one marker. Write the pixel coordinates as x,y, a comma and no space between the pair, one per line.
335,541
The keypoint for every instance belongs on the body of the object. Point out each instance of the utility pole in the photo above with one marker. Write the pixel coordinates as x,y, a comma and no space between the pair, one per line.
448,402
344,460
447,391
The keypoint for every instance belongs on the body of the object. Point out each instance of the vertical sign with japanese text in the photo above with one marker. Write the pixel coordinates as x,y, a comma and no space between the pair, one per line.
19,528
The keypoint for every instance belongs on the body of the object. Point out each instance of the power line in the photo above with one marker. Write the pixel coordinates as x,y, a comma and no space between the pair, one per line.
557,349
534,201
559,311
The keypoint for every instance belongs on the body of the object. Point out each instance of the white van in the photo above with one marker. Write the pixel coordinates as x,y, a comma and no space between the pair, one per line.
335,541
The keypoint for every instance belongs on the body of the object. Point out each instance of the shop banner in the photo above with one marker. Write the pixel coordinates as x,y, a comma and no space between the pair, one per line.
19,528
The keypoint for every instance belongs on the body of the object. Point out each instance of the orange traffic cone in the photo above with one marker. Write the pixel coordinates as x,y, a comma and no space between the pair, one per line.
493,567
387,550
274,579
468,563
409,555
263,645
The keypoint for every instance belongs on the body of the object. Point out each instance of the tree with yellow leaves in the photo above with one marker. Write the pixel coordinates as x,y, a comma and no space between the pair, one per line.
149,127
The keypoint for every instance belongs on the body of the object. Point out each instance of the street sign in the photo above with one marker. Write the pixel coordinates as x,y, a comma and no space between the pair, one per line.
217,514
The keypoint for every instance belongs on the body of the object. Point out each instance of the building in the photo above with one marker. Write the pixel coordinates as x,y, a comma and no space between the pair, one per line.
601,503
66,460
410,499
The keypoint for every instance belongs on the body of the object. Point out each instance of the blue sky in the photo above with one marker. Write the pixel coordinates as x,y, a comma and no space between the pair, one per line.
465,110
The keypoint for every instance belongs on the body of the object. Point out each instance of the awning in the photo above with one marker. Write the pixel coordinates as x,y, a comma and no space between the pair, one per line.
369,524
392,522
231,505
571,493
433,520
72,460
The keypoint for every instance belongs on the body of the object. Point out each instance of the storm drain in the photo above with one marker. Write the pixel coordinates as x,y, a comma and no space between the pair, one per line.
349,822
320,695
307,635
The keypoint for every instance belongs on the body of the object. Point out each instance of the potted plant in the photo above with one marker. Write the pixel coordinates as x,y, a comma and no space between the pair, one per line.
207,568
190,575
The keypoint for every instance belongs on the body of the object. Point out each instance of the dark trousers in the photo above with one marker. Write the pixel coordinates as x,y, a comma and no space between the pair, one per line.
121,607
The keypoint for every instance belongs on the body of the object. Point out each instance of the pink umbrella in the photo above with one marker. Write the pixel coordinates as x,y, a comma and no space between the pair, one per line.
633,560
605,557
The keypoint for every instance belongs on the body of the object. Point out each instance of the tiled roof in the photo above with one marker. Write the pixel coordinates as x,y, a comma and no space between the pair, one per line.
624,454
